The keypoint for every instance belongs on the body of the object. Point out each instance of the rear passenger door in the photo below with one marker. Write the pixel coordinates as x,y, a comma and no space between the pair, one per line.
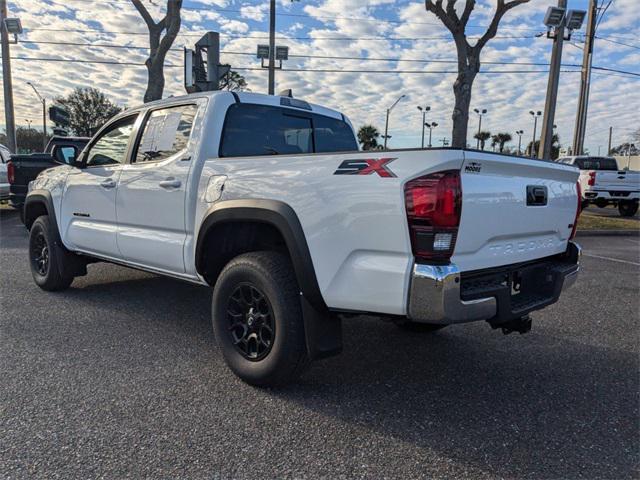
150,203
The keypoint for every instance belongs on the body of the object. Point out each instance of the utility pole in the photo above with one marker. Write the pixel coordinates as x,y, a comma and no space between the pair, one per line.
585,80
610,135
272,47
546,139
10,121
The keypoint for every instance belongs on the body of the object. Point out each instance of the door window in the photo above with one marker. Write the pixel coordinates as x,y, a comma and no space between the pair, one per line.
111,146
166,133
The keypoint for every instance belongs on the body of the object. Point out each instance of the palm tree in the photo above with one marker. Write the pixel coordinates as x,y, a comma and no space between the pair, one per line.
368,137
483,137
500,139
555,147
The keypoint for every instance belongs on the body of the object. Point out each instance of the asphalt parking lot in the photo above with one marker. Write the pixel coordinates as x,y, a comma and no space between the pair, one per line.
120,376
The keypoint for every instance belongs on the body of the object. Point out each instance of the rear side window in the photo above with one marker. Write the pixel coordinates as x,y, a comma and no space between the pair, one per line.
165,133
597,163
333,135
252,130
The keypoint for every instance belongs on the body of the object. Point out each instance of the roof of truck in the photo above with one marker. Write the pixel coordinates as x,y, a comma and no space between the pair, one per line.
248,97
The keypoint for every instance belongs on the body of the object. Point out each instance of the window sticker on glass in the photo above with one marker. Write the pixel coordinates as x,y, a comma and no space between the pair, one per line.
166,133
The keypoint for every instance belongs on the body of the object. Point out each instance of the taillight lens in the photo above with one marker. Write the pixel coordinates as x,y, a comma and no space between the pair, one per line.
578,210
433,204
592,179
11,172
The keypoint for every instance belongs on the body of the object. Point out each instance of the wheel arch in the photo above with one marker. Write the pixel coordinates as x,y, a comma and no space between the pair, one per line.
274,214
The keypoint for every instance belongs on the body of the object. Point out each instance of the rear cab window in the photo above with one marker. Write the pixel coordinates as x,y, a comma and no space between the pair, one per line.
254,130
597,163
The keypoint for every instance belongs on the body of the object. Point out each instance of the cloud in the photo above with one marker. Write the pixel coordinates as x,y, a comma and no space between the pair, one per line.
368,29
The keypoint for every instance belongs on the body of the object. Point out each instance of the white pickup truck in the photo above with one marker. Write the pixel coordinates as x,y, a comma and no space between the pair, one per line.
267,200
602,183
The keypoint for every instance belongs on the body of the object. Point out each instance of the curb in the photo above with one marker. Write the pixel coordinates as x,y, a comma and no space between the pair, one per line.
608,233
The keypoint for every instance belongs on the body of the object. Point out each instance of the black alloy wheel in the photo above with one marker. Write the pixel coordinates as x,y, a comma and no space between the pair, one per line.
250,322
40,254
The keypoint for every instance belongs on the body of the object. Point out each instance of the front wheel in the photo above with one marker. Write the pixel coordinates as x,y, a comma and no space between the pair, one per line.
628,209
257,319
44,257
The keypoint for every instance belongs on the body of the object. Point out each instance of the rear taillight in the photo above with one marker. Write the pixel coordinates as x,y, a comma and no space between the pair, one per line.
433,204
592,179
578,210
11,172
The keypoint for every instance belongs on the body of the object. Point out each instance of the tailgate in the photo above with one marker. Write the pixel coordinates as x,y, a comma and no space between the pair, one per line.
617,181
500,224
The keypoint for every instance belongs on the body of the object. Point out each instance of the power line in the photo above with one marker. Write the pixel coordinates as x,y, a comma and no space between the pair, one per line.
331,57
320,70
326,57
617,42
339,39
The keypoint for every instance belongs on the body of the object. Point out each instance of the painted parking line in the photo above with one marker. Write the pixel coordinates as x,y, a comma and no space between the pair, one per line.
611,259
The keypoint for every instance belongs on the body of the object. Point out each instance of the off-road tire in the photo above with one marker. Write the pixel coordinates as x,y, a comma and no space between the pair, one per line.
45,257
270,275
628,209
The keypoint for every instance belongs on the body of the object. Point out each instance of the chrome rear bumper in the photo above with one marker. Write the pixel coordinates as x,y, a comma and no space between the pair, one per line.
441,294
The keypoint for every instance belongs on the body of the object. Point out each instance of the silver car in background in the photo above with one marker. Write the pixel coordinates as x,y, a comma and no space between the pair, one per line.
4,180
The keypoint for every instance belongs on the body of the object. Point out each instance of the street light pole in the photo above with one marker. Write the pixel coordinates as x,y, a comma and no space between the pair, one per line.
272,47
431,126
10,120
44,116
386,125
585,80
546,137
532,152
424,119
520,133
480,114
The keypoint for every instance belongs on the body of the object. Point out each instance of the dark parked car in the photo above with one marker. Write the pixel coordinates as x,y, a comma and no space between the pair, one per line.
21,169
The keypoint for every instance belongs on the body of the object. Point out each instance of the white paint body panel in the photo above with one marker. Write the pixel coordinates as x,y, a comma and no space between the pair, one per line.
88,215
355,225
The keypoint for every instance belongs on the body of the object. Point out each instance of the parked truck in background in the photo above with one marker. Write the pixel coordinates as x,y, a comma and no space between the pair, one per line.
602,183
267,200
22,168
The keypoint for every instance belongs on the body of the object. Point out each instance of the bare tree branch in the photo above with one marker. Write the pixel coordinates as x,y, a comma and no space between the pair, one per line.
144,13
501,9
438,11
468,8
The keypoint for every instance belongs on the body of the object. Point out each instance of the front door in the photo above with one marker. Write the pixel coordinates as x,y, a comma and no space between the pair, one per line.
89,198
150,203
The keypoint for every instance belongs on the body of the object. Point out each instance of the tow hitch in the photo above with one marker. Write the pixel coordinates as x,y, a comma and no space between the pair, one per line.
520,325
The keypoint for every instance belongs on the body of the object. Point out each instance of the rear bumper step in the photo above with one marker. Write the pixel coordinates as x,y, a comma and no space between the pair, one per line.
441,294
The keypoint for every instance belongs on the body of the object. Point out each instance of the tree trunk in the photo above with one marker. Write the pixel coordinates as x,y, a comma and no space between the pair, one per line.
155,82
462,91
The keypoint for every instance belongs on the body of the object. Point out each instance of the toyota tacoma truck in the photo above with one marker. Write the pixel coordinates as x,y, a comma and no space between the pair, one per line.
602,183
267,200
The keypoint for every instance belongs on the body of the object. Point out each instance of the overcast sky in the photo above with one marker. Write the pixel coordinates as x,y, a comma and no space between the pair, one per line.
370,29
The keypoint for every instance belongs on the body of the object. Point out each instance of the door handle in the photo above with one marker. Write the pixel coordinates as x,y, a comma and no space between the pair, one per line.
170,183
109,183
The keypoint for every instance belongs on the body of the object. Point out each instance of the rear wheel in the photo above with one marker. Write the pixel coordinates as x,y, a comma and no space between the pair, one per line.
45,257
628,209
257,319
